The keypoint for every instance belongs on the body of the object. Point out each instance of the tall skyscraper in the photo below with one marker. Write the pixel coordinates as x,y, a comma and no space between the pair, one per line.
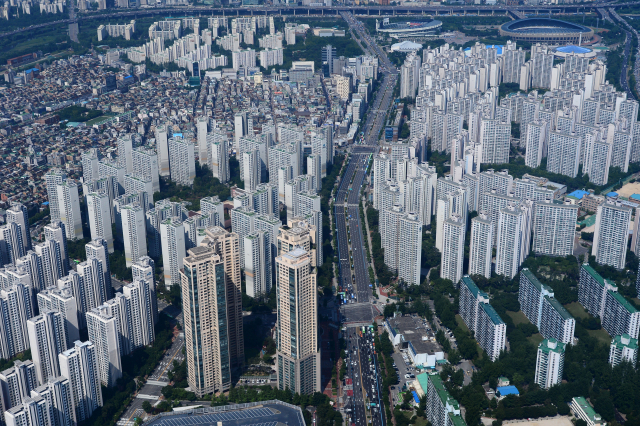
481,247
79,364
103,333
69,209
611,234
219,155
173,249
202,123
162,146
549,363
48,339
134,233
144,270
257,262
100,217
297,355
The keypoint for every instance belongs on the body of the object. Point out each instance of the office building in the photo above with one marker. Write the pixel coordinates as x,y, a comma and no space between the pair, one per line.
297,354
611,234
61,299
69,209
134,233
173,249
549,363
480,317
47,338
182,160
481,247
103,333
100,217
15,309
452,249
554,227
79,364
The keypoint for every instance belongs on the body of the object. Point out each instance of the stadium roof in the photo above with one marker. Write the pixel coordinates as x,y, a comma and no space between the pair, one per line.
573,49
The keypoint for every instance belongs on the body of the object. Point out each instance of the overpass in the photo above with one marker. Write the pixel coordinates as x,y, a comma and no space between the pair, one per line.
319,11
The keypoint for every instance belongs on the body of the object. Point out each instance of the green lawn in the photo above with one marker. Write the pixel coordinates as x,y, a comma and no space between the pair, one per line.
601,335
461,323
577,310
535,339
518,317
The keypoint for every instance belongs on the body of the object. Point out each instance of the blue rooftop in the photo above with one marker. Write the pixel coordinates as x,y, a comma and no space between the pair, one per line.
507,390
415,397
578,193
489,46
612,194
573,49
635,196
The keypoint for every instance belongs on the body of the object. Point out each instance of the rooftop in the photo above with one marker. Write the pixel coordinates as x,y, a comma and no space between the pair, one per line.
507,390
267,413
587,408
596,276
578,194
559,308
623,302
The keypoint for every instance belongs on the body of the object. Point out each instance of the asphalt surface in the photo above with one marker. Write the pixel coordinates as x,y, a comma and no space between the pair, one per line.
362,369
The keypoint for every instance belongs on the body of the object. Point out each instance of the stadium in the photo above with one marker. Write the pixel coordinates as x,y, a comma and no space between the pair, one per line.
546,30
408,29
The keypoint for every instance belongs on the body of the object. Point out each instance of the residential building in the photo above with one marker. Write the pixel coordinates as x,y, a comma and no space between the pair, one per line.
611,234
584,411
134,232
69,209
47,339
513,239
59,396
549,363
80,364
182,160
452,248
103,333
554,228
481,247
15,309
441,408
61,299
173,249
623,348
100,217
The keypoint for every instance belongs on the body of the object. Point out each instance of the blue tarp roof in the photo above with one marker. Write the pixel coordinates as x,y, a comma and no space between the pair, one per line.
578,193
415,397
507,390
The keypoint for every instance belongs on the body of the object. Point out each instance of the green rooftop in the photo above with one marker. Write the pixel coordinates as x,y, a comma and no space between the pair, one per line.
546,346
617,341
588,409
596,276
559,308
473,288
492,314
623,302
534,280
445,398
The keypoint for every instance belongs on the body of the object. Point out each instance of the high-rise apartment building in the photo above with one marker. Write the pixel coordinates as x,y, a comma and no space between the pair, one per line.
535,142
103,333
409,259
513,238
15,309
611,234
257,262
481,246
182,160
549,363
297,354
409,75
145,166
61,299
19,215
80,364
441,409
563,153
143,270
219,155
134,233
623,348
252,169
100,217
55,231
31,411
59,396
538,304
11,248
495,141
554,227
163,133
69,209
173,249
47,338
202,124
52,179
489,329
452,249
17,382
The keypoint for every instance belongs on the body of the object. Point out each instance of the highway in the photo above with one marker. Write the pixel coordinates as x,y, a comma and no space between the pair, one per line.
624,77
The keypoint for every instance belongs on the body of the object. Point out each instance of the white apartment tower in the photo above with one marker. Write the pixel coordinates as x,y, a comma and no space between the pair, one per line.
47,338
79,364
52,179
69,209
61,299
481,246
182,161
219,155
611,234
549,363
134,233
100,217
103,333
409,259
452,249
554,225
145,165
513,237
173,249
